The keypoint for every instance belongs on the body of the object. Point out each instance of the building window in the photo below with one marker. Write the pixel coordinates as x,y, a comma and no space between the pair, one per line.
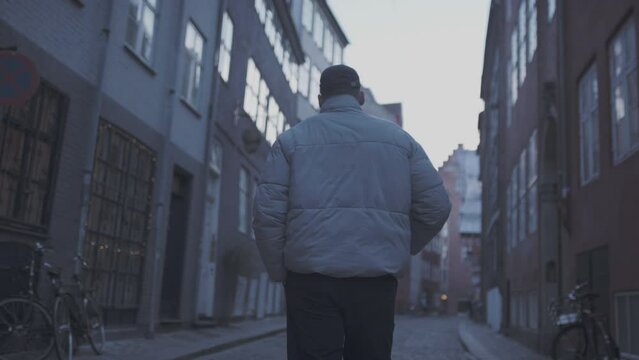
328,45
292,73
532,183
533,308
304,77
274,121
625,102
141,26
243,201
513,74
552,6
256,96
627,321
118,221
589,125
513,213
29,146
315,87
224,65
191,82
521,41
307,15
522,210
532,28
318,30
260,8
338,54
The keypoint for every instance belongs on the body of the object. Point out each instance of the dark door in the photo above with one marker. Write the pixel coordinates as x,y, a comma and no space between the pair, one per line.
592,267
175,244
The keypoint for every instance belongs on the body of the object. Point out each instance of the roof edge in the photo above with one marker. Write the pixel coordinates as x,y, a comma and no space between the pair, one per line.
283,12
331,18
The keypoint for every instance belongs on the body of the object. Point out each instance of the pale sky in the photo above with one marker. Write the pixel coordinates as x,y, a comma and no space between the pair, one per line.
427,54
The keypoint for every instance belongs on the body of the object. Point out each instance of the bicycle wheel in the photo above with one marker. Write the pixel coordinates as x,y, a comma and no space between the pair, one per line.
604,349
570,344
94,326
26,330
62,328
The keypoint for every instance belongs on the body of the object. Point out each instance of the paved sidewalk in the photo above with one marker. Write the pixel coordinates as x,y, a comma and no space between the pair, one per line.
485,344
188,344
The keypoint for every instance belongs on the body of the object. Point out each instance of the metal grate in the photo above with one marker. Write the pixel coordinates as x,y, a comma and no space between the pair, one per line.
119,221
29,142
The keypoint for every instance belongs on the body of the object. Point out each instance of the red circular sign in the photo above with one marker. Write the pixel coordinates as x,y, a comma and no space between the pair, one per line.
19,78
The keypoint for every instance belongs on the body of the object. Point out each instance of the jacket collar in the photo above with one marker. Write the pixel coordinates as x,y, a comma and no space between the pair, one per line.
340,103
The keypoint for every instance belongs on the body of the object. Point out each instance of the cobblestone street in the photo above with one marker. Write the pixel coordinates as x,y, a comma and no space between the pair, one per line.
415,338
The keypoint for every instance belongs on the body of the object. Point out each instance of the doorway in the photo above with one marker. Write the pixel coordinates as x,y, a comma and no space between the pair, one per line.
175,246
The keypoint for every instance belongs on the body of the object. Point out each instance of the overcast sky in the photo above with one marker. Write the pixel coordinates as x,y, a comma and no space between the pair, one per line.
427,54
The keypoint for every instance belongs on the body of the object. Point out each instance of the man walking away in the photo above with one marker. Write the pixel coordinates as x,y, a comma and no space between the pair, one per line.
344,198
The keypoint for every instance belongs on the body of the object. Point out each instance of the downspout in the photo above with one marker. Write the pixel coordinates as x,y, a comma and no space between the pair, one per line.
210,126
562,135
87,171
163,175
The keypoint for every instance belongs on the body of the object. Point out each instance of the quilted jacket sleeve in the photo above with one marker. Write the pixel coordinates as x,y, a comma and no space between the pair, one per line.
270,210
430,205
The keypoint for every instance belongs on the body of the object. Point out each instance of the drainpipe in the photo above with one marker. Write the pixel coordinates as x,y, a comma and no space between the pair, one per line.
89,158
562,146
164,175
210,126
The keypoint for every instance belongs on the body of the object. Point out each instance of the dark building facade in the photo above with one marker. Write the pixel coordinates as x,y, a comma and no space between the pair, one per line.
559,152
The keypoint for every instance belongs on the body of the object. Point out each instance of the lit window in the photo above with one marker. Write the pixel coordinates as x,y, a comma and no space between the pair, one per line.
552,6
224,65
272,128
278,47
243,190
304,78
307,15
532,29
328,45
256,96
318,29
589,125
623,81
513,76
260,8
314,88
141,26
293,71
194,46
269,27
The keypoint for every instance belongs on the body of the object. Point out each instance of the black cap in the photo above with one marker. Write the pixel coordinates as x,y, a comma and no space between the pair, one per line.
339,79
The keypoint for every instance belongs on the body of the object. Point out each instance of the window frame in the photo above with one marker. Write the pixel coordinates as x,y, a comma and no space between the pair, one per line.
621,342
195,67
628,125
224,57
589,150
137,46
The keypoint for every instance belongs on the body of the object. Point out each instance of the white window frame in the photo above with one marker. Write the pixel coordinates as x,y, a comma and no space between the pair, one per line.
192,76
623,92
226,45
329,44
588,93
143,42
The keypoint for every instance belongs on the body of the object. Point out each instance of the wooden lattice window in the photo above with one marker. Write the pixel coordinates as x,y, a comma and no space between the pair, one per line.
119,221
29,143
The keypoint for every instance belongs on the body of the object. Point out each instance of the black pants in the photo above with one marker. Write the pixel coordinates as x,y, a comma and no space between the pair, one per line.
329,317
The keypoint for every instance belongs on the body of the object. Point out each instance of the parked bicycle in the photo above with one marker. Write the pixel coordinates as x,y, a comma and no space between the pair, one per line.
26,327
76,316
583,334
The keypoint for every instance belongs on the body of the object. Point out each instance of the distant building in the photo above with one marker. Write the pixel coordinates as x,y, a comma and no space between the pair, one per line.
559,149
460,252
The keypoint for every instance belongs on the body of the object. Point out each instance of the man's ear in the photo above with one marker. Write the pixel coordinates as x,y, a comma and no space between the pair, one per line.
320,99
361,98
